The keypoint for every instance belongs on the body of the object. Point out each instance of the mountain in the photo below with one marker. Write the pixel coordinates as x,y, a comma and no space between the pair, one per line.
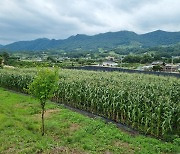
103,40
38,44
1,45
160,37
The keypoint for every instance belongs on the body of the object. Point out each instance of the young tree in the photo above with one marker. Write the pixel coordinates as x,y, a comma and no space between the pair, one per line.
43,87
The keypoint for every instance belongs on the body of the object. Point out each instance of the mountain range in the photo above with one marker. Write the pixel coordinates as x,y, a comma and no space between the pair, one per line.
103,40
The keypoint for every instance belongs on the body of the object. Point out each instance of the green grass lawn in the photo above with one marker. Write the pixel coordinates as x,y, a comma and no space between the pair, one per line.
66,131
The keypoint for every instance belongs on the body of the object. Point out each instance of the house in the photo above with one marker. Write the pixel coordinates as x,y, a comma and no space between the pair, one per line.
158,63
161,66
109,58
38,59
170,68
147,68
109,63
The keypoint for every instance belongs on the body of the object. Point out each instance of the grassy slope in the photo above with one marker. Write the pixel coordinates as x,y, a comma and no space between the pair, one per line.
66,131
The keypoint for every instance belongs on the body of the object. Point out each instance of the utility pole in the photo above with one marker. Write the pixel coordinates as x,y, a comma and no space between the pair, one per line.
121,62
171,63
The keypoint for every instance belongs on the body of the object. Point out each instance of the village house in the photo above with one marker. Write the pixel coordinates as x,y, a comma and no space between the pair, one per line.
170,68
158,63
109,63
165,67
109,58
147,68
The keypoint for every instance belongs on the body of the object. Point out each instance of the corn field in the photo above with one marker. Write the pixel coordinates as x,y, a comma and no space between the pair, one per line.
147,103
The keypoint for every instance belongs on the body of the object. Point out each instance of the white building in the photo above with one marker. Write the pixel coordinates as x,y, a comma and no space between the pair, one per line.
109,63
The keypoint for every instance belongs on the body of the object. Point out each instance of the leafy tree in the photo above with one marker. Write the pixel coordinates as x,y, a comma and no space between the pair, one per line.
157,68
51,59
146,58
43,87
5,56
81,61
1,61
132,59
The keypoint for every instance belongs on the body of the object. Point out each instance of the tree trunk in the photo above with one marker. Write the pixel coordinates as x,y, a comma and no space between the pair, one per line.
43,109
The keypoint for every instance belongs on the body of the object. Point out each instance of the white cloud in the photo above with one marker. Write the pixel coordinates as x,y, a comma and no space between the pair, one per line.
31,19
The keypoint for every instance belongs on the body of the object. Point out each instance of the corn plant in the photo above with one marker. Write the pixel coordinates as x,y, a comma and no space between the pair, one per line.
148,103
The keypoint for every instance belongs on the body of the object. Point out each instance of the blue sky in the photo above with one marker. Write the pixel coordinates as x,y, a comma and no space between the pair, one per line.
59,19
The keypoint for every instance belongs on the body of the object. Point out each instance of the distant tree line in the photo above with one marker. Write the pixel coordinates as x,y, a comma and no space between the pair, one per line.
167,51
148,58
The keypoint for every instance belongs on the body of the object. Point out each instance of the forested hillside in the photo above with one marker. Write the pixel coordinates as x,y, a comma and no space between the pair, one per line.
107,40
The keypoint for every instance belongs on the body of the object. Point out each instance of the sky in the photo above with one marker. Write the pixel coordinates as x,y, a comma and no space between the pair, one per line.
59,19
